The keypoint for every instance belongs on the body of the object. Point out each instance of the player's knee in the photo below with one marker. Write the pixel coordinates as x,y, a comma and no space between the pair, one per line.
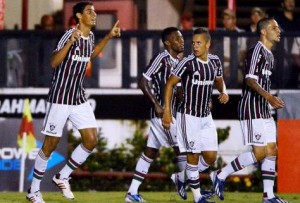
151,152
210,159
90,144
49,145
260,155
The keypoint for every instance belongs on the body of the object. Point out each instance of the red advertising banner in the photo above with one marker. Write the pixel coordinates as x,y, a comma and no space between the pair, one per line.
2,8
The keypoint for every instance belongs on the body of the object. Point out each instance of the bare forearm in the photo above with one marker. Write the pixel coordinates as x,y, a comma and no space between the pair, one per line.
58,56
145,86
101,45
220,85
257,88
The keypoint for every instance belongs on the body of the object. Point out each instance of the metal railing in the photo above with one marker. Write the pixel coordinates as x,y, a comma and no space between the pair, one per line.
25,56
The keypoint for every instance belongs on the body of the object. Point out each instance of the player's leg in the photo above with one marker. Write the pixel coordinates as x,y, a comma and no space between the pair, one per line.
83,119
144,162
141,170
268,167
250,129
54,122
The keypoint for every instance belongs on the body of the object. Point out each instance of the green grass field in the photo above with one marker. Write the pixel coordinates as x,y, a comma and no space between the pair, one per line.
118,197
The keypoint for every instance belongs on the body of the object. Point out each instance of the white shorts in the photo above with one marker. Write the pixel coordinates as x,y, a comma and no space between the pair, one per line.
81,117
196,134
258,132
159,137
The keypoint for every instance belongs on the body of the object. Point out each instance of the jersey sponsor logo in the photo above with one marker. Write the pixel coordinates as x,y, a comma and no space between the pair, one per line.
80,58
266,72
204,82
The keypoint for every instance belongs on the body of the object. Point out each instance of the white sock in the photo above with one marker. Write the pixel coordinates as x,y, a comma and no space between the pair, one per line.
202,165
78,157
268,175
141,170
40,166
181,162
193,179
242,161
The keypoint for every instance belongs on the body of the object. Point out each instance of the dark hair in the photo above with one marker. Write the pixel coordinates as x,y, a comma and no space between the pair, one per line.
263,23
79,7
167,32
203,31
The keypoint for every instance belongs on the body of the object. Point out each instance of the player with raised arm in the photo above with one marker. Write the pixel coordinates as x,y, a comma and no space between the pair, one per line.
67,99
257,123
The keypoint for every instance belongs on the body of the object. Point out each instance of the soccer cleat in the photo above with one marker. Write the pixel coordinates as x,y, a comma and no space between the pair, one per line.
133,198
64,186
218,185
207,194
203,200
180,186
35,197
274,200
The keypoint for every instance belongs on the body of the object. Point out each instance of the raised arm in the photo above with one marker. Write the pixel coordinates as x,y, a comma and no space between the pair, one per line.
145,86
58,56
167,116
275,102
114,32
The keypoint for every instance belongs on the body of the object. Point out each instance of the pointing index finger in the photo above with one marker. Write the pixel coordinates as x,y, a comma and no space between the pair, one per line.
116,24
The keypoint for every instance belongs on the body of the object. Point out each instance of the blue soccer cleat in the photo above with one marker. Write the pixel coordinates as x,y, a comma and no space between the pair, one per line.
180,186
274,200
203,200
133,198
218,185
207,194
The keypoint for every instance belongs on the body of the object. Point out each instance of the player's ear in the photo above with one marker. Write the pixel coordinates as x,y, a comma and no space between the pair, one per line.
78,15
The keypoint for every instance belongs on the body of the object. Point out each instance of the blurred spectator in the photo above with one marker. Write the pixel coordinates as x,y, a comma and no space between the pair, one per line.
287,19
187,21
256,14
295,80
229,25
47,23
72,22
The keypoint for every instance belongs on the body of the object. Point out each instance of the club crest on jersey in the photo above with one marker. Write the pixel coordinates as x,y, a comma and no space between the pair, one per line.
257,136
192,143
52,126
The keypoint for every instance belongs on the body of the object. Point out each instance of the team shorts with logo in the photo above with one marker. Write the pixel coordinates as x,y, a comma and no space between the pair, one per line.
81,116
196,134
159,137
258,132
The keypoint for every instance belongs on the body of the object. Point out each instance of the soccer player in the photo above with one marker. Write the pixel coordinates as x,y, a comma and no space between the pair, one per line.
196,131
152,83
257,123
67,100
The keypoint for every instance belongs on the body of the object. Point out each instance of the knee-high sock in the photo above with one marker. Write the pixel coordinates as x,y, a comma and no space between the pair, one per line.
242,161
40,166
141,171
193,179
202,165
78,157
181,163
268,175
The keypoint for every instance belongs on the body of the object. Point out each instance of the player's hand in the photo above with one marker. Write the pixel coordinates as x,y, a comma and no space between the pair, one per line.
76,35
223,98
159,110
115,31
167,119
276,102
